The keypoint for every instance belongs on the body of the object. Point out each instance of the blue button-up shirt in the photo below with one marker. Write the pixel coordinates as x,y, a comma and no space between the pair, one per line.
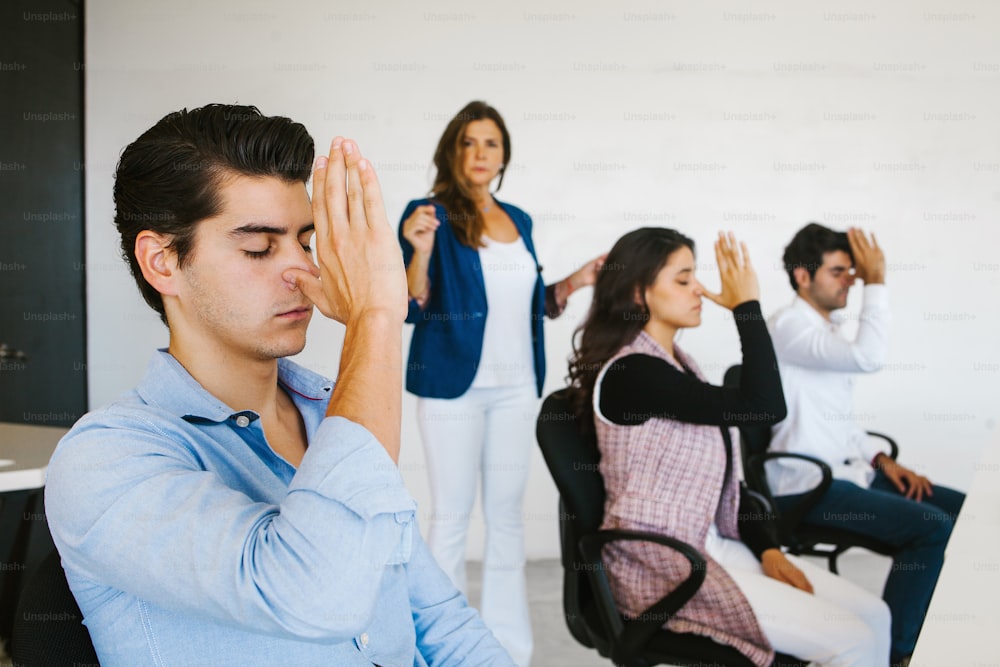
187,541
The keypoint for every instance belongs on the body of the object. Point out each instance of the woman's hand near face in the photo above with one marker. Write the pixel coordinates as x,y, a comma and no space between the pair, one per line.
739,280
587,274
582,277
420,227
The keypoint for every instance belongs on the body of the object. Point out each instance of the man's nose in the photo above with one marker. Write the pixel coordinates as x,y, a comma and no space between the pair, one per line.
296,257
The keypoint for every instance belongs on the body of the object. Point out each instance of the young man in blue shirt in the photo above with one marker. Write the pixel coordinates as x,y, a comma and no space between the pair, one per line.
235,508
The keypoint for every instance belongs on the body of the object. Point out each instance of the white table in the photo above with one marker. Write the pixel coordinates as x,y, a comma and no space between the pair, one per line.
963,622
25,451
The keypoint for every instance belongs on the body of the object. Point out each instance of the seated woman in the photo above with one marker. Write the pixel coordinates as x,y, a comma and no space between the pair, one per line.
671,465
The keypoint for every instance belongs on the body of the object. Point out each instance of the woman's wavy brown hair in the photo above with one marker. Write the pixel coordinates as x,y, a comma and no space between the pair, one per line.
450,187
618,311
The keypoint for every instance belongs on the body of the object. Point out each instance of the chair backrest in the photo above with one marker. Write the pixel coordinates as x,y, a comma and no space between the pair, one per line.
48,628
754,441
573,462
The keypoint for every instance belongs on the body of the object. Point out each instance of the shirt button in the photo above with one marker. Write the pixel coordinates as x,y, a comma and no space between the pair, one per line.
242,421
364,639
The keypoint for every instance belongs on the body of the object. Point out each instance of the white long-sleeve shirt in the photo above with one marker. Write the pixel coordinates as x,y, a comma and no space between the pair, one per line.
818,366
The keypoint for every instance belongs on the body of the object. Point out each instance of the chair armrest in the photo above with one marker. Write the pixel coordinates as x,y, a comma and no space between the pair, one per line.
893,447
765,502
631,636
792,517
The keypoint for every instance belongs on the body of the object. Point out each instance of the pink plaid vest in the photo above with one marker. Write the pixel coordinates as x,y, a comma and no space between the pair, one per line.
669,477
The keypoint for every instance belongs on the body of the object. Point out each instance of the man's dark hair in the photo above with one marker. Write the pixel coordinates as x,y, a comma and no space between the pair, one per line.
808,246
168,179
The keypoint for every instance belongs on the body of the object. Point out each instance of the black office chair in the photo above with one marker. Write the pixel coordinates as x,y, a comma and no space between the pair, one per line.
588,605
801,539
48,629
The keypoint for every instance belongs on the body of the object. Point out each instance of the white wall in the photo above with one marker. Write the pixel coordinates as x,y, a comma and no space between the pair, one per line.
700,116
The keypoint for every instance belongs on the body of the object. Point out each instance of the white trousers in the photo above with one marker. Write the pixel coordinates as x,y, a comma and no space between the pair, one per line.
839,625
485,432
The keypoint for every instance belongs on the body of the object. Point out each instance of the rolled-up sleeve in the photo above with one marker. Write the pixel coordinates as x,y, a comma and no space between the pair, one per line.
131,508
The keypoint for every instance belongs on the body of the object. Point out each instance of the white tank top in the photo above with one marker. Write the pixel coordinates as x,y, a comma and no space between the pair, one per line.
509,274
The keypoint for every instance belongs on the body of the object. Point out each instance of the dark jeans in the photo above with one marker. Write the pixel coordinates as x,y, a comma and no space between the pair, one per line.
920,532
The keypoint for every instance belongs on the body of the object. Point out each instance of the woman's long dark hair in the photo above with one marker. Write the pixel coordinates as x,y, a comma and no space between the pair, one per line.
618,311
450,187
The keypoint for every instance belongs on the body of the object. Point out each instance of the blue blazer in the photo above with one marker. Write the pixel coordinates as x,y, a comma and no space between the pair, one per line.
448,332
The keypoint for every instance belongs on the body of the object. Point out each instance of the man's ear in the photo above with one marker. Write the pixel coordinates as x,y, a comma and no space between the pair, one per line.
157,261
802,278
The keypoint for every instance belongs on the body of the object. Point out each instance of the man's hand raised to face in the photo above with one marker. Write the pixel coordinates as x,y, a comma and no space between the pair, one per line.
869,262
361,282
360,263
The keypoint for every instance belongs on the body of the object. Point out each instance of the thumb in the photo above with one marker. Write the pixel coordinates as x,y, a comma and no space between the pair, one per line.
306,282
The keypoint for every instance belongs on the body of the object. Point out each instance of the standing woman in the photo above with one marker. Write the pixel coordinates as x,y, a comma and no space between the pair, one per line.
671,465
477,358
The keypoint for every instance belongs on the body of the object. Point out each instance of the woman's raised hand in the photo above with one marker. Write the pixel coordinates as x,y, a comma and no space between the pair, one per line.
420,227
739,280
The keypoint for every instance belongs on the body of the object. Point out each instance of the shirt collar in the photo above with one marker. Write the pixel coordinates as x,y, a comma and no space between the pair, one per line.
169,386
